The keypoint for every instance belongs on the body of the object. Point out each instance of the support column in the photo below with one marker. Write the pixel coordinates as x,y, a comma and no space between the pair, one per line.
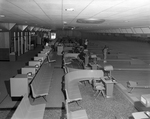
25,41
21,39
14,38
29,41
18,36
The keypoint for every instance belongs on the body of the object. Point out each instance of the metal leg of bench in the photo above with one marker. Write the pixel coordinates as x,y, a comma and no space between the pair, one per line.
44,98
131,90
78,104
33,99
84,83
47,58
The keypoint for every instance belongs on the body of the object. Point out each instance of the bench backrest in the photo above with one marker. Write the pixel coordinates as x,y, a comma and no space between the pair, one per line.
83,75
69,69
75,55
76,63
22,108
67,110
65,69
34,88
67,48
67,98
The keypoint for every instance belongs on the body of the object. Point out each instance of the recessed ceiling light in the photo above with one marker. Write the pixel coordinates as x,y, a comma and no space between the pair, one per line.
1,15
65,22
69,9
90,21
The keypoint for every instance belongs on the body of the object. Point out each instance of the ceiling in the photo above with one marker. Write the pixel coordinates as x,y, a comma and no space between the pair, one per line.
52,14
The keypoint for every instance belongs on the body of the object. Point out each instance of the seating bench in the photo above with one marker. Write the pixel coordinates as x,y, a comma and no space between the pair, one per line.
27,111
73,92
132,85
78,114
73,55
72,79
41,83
74,64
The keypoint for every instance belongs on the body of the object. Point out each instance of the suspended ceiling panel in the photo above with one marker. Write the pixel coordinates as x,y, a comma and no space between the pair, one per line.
52,14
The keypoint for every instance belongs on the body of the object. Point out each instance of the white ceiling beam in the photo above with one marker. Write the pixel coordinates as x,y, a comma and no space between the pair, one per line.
40,29
138,30
30,28
36,28
146,30
117,30
129,30
7,26
114,31
134,32
124,31
120,30
22,27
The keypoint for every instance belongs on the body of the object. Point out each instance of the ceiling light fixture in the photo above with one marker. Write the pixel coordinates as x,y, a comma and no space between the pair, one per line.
90,21
1,15
69,9
65,23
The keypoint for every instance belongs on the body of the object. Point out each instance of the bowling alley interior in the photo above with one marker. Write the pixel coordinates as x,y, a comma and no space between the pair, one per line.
72,59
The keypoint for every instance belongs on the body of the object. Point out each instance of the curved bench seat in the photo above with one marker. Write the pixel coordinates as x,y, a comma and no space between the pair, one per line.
73,65
74,55
78,114
72,79
83,74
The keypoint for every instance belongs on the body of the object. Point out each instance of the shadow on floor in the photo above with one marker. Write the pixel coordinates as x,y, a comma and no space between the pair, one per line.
140,107
7,84
19,71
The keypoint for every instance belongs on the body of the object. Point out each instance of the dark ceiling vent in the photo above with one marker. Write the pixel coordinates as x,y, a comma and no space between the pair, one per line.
90,21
